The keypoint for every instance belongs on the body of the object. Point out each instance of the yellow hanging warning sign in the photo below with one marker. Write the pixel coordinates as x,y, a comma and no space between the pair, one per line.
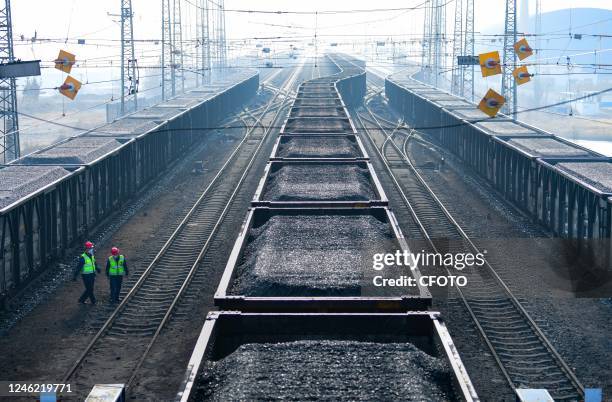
70,87
522,49
521,75
491,103
65,61
489,63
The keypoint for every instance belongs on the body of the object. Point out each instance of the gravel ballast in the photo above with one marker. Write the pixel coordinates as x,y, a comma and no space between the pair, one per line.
318,147
319,182
17,182
310,255
330,370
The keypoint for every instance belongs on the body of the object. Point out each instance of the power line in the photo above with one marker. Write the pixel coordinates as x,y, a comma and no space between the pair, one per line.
534,109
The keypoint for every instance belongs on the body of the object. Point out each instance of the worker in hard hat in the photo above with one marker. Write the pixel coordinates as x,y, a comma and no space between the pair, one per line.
116,268
87,267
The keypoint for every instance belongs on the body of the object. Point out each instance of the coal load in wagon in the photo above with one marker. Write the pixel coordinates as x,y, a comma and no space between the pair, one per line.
318,147
548,147
126,127
78,151
318,112
317,102
314,125
506,128
319,182
329,370
310,255
17,182
596,174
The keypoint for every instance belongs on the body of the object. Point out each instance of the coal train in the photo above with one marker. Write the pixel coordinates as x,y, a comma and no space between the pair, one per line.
298,316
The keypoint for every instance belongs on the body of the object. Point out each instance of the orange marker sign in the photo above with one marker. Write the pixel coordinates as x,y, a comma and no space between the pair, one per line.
70,87
489,63
65,61
491,103
521,75
522,49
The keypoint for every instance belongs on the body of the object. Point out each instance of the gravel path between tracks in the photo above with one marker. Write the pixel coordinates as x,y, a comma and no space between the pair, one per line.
327,370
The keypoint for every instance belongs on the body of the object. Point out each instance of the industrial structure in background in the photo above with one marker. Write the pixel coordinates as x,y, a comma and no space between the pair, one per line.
434,52
467,72
129,78
508,90
456,80
434,41
434,47
211,44
9,127
220,40
203,44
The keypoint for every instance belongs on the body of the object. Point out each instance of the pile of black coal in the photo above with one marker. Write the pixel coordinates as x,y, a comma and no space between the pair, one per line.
329,370
319,182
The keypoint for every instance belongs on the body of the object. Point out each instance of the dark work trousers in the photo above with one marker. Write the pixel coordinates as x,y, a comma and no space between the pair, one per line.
115,286
88,281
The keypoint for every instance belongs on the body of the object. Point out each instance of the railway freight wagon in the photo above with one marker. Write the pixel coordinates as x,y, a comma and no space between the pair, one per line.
524,163
51,198
297,279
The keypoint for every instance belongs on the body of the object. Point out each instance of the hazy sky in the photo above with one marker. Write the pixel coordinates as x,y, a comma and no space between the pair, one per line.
90,20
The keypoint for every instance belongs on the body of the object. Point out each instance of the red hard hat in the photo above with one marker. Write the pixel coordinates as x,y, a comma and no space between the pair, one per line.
114,251
88,244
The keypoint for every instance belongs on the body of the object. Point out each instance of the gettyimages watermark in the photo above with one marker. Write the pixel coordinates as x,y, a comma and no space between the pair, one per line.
535,268
404,259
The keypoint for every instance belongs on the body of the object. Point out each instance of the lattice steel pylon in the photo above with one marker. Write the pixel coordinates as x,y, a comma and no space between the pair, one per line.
538,44
9,129
456,76
177,47
167,55
439,51
220,41
205,62
129,78
509,60
467,72
198,44
426,43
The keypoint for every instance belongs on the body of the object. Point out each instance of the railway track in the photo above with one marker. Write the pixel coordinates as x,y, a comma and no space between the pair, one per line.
525,356
134,326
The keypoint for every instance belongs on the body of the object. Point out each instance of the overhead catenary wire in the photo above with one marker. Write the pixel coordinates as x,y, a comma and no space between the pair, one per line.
533,109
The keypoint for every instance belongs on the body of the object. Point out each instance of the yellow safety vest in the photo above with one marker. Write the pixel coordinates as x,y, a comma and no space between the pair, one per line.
116,267
89,265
